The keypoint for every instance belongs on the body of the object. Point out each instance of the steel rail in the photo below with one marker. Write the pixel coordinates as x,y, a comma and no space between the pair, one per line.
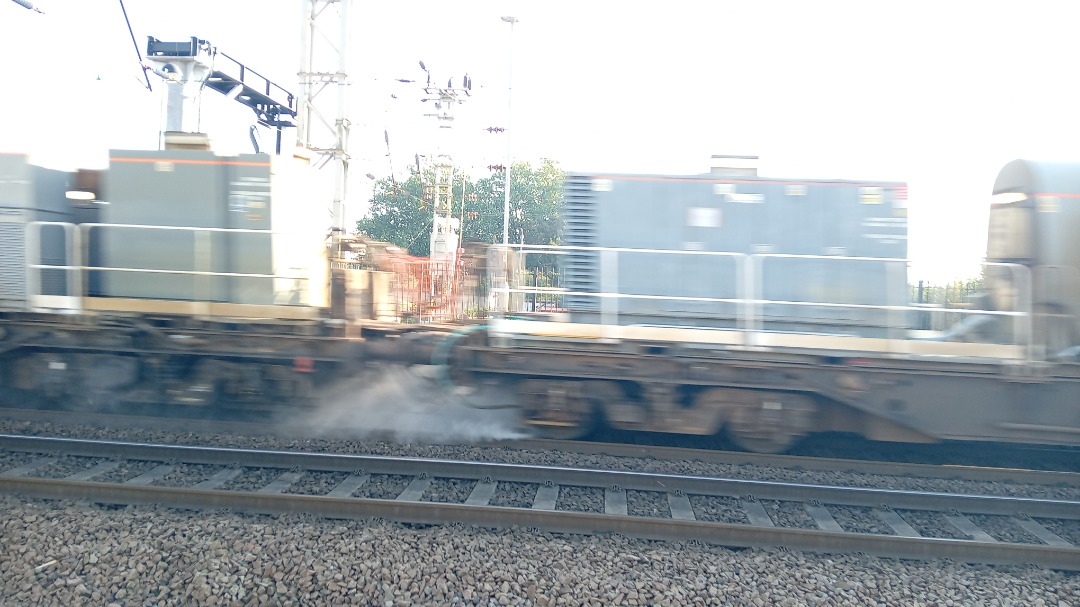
131,420
723,534
820,464
524,473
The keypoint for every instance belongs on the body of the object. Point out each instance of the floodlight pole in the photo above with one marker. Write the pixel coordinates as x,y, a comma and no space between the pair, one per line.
509,107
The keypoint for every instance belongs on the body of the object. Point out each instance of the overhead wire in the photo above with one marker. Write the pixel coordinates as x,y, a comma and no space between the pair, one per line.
398,189
138,53
28,5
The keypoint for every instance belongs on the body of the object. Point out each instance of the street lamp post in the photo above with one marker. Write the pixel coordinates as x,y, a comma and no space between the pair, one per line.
509,106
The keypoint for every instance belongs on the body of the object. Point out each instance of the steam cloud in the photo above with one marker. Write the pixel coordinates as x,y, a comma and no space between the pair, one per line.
408,405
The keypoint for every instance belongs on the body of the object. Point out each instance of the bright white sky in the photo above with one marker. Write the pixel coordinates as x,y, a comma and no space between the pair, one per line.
938,94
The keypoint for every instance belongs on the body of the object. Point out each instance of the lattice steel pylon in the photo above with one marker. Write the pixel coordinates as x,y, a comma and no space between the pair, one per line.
445,228
323,118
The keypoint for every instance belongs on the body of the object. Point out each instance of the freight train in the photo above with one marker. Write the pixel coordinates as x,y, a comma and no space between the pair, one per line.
194,280
669,327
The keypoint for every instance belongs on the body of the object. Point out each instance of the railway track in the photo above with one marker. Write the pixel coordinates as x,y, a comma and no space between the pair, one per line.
723,511
802,462
296,429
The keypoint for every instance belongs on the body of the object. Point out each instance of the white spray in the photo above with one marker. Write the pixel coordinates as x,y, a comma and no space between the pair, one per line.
407,405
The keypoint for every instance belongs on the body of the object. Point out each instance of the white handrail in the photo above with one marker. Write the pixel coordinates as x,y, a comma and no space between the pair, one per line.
78,238
749,289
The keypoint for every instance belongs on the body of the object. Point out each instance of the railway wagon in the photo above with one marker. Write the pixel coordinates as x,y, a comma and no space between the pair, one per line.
1006,370
180,277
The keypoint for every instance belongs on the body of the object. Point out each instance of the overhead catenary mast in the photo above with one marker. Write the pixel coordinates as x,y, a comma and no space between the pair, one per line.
194,65
323,118
445,228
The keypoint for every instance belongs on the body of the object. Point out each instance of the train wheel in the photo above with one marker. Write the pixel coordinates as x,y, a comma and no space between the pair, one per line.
558,410
769,422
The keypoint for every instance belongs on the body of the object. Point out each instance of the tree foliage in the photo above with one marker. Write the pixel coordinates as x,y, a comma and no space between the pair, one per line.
952,294
399,212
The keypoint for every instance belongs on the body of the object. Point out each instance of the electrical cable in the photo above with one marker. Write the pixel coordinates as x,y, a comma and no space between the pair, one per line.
138,53
29,5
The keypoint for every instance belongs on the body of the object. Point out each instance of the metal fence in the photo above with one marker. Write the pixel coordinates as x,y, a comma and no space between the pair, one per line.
899,317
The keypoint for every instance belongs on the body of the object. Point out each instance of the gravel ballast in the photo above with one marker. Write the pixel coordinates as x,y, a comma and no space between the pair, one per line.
73,553
539,458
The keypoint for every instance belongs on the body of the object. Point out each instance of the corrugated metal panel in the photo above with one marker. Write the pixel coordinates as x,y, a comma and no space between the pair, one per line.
580,224
30,193
12,258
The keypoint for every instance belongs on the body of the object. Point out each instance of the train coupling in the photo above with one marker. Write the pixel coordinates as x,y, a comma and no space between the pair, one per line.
411,348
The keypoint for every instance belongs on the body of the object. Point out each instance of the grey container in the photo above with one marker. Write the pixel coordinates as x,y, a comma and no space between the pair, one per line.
187,188
31,193
1034,222
740,214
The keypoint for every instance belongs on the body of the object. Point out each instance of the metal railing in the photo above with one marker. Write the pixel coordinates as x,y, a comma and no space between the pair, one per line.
77,266
609,267
744,277
749,287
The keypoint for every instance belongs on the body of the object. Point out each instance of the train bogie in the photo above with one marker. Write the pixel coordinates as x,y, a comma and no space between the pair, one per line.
101,362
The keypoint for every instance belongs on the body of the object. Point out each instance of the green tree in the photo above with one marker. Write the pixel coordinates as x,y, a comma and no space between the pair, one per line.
400,214
956,293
